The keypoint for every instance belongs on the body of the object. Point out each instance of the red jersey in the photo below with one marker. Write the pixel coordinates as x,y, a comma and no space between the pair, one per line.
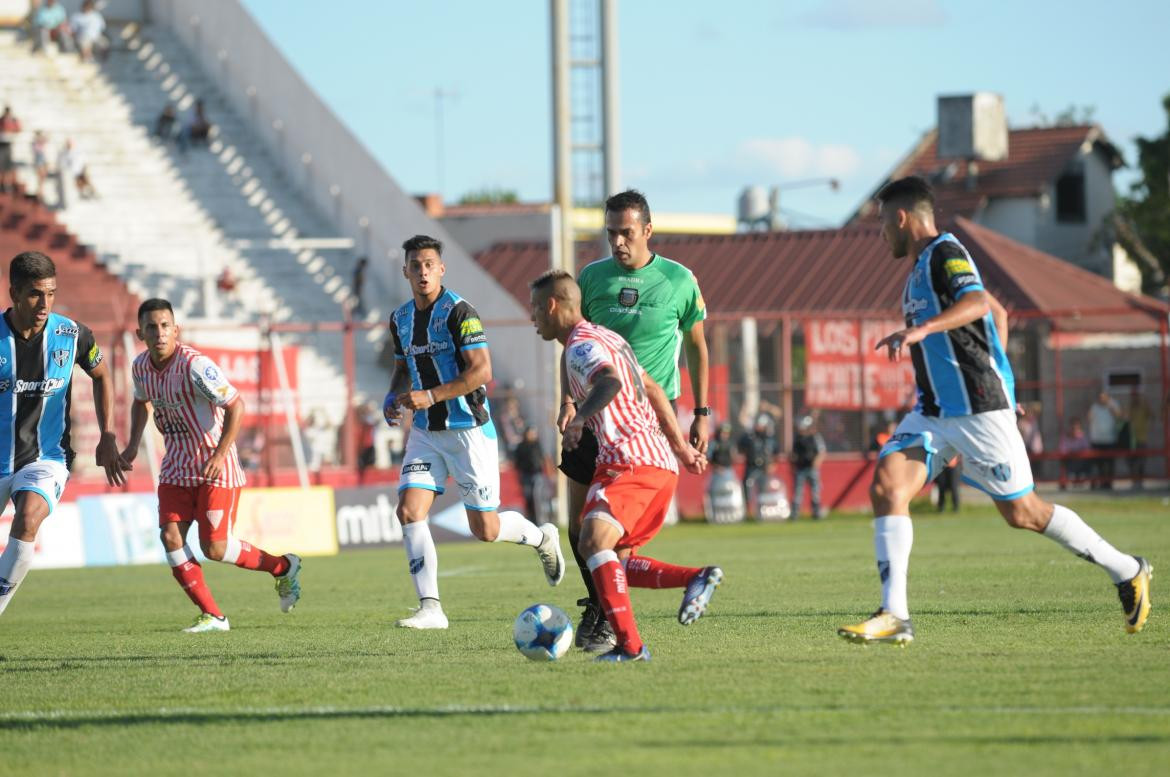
627,429
189,395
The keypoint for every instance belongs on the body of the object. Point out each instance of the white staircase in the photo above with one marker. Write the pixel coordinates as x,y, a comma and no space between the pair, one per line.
167,222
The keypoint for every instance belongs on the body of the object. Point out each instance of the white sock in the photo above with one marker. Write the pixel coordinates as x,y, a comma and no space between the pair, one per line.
424,562
14,564
893,535
514,527
1074,535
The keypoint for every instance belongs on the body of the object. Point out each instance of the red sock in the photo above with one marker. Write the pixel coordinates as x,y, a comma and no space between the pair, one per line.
190,578
252,557
643,572
610,579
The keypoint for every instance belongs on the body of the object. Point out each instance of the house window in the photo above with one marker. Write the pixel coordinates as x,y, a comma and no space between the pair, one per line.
1070,198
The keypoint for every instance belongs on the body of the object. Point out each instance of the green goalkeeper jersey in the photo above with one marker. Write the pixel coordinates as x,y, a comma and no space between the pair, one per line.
651,308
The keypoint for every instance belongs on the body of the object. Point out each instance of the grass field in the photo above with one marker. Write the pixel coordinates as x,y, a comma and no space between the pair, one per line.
1021,665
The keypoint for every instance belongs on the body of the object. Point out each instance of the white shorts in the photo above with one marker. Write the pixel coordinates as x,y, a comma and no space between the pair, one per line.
47,478
994,458
469,456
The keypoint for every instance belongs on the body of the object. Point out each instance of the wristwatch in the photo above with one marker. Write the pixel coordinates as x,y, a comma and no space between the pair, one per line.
702,411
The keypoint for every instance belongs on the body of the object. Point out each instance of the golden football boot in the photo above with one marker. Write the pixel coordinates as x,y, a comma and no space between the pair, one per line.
1135,596
879,627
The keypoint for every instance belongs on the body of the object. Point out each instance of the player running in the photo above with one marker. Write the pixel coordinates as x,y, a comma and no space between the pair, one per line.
636,473
441,367
966,405
199,414
38,349
654,303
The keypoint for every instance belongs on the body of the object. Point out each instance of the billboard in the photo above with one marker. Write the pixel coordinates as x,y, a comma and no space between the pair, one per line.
366,518
844,372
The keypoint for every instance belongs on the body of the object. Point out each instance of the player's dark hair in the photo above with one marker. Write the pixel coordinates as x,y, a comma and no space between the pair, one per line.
630,199
908,193
419,243
548,279
153,304
29,267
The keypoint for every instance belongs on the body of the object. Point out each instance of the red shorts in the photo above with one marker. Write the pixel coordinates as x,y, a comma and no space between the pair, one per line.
211,507
637,497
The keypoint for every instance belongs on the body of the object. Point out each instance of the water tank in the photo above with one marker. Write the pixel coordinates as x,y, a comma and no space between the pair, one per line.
972,126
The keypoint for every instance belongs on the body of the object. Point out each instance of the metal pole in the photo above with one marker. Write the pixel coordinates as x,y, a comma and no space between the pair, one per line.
562,131
1164,399
556,226
611,143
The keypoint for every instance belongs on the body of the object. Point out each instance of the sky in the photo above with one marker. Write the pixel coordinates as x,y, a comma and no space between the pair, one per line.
718,96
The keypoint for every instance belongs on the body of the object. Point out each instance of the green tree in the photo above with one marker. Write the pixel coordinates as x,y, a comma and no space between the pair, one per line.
1142,222
489,196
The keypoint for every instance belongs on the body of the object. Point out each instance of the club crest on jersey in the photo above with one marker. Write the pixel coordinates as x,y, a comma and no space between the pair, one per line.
61,356
628,297
1001,472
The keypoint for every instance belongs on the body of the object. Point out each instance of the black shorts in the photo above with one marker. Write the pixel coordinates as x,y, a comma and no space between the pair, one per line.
580,463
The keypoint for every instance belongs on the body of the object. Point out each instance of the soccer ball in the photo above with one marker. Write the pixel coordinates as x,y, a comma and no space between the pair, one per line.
543,632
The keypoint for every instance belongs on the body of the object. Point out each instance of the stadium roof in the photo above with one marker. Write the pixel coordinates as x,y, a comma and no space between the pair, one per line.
1036,157
850,271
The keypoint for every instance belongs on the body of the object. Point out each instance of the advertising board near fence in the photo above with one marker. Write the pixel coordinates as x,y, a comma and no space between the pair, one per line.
844,372
366,518
248,370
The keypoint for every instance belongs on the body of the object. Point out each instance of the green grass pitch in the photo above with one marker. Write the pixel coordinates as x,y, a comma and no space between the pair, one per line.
1021,665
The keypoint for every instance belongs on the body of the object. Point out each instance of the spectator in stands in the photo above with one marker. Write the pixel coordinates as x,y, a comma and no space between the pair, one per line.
166,125
510,424
88,27
196,127
1073,443
9,129
759,447
721,449
1104,415
807,455
320,441
49,23
71,164
533,467
226,282
359,284
947,482
1028,422
369,419
40,161
1137,436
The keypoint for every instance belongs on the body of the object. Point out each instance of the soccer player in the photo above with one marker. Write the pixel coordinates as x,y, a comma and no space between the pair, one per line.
655,305
38,349
441,367
966,405
199,414
638,440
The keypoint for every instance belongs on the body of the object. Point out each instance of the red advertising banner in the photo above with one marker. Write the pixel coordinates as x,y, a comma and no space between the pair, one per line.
248,370
842,364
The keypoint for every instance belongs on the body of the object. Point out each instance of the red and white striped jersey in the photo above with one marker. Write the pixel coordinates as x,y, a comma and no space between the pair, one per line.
189,395
627,429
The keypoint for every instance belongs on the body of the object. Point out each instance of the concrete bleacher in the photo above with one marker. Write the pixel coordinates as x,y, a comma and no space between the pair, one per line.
167,222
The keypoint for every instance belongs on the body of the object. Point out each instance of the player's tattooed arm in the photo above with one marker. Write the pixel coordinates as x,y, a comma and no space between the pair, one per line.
604,385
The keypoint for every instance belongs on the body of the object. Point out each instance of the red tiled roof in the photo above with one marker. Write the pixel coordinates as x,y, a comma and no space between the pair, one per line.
1036,158
847,270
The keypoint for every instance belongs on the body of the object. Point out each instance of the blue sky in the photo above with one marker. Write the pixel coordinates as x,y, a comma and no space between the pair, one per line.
716,96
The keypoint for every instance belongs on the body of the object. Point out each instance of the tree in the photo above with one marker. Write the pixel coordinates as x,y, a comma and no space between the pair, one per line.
1142,222
489,196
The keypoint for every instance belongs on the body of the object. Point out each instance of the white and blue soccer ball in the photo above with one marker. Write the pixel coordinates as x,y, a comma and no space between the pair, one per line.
543,632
